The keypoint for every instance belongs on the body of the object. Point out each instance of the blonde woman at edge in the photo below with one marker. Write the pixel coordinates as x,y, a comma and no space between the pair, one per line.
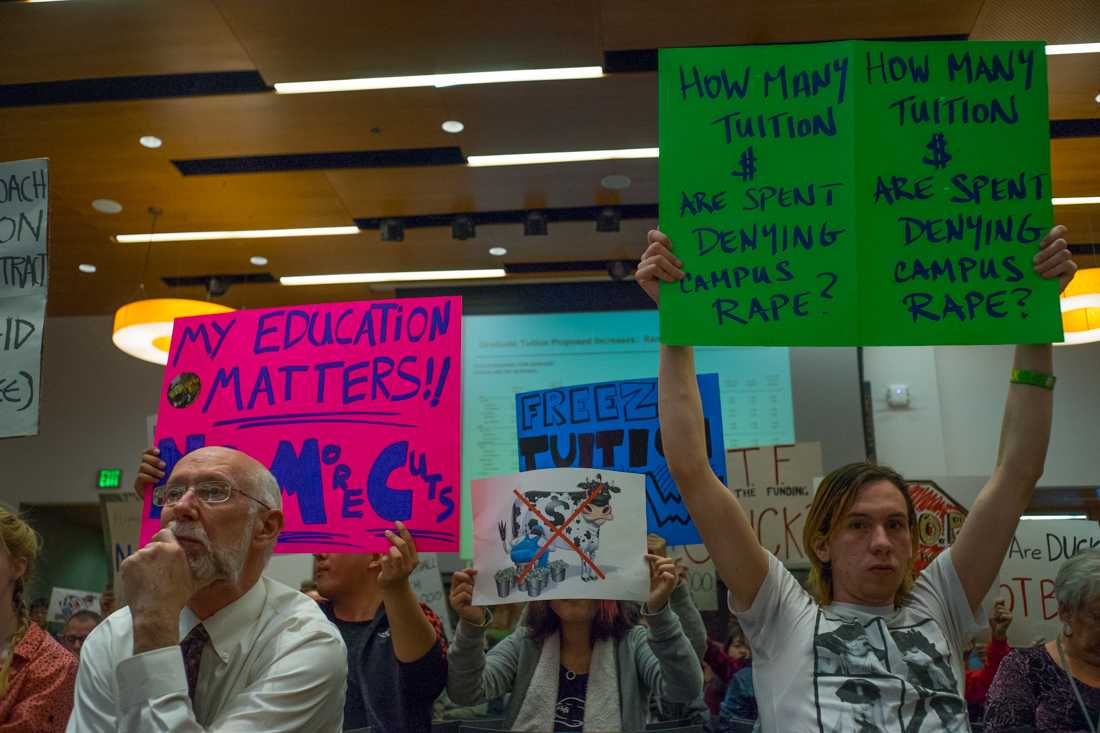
37,675
870,647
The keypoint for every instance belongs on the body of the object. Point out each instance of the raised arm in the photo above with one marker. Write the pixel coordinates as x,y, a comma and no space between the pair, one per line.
412,632
1025,433
724,525
472,675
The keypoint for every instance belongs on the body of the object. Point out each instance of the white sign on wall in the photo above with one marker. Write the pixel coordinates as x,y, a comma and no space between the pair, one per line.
701,579
1026,581
775,484
64,602
428,587
122,525
24,204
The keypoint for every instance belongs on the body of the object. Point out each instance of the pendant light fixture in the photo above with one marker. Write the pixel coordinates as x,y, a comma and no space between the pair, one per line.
143,327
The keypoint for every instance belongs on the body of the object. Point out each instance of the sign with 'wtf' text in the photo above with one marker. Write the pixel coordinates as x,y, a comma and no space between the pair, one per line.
353,406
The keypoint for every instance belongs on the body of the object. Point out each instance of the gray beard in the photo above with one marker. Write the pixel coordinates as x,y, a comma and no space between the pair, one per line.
217,563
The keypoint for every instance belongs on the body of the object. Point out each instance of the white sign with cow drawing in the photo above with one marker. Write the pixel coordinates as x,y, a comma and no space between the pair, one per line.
560,533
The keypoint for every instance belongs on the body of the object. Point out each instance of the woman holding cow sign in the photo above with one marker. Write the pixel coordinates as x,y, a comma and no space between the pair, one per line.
870,641
576,664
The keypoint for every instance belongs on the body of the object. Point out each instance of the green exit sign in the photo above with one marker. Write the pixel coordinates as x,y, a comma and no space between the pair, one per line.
110,478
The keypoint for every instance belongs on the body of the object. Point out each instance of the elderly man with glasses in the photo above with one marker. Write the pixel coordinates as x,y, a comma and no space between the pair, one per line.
208,643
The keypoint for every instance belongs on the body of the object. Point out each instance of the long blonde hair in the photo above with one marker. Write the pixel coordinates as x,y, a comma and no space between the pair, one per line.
20,542
834,497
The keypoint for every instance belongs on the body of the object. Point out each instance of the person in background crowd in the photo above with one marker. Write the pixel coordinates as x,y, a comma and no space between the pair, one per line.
77,628
397,662
37,675
309,587
737,646
739,703
1056,686
40,612
683,605
988,657
207,642
107,602
893,640
724,665
576,664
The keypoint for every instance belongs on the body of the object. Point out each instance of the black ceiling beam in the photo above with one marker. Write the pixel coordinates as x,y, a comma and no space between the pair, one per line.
514,216
121,88
1074,128
229,278
536,268
392,158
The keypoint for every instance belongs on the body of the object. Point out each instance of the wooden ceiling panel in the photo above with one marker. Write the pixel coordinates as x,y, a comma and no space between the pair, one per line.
1074,82
247,201
103,38
274,124
1083,222
631,24
1053,21
303,40
94,152
230,125
452,189
617,111
1075,166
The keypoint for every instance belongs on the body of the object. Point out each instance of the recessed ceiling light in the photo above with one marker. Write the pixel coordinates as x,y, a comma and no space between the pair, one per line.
573,156
85,267
150,141
438,80
107,206
385,277
1075,200
615,182
453,126
1054,516
1097,98
498,251
258,260
1064,48
236,234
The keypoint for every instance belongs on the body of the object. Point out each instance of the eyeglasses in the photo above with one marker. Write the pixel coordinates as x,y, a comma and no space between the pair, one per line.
71,640
208,492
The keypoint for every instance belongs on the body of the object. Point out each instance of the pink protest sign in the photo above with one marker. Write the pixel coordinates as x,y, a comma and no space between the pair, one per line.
355,408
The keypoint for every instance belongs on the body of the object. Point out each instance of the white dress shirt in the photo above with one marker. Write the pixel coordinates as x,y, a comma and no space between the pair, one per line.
274,663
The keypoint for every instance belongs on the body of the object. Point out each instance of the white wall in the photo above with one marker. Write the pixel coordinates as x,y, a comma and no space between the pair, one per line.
958,396
94,403
909,440
290,569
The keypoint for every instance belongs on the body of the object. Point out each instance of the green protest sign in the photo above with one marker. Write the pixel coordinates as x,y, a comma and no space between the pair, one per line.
856,193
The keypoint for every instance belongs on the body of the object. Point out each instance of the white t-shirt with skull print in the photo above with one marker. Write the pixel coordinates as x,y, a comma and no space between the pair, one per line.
846,668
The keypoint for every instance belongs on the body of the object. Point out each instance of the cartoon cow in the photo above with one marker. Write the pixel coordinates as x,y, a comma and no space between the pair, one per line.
529,533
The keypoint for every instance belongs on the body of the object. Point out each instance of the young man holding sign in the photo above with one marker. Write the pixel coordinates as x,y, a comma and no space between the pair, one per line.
207,642
872,643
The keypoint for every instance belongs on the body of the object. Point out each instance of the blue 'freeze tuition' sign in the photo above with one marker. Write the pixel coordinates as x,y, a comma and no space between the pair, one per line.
614,425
